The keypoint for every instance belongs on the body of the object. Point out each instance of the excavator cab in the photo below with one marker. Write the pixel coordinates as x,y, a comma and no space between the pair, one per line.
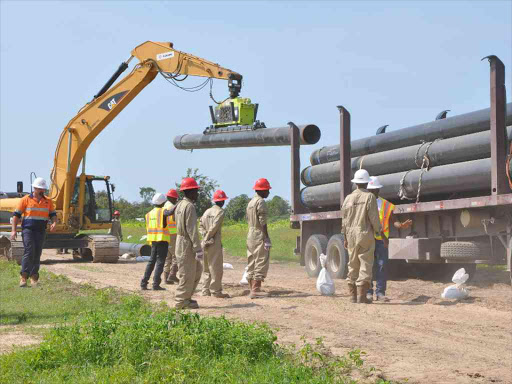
96,201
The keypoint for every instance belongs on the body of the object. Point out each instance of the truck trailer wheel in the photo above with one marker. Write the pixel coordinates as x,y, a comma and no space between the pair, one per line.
315,246
465,250
337,257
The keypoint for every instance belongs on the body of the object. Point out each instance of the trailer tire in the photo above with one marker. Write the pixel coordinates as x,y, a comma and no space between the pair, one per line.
465,250
337,257
316,245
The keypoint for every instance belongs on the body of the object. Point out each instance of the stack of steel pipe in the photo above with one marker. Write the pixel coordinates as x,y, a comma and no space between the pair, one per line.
451,155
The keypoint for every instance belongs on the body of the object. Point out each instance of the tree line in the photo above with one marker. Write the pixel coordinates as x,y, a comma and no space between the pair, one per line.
235,209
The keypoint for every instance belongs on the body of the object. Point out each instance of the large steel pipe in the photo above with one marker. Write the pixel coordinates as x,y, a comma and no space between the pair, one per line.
262,137
135,249
459,125
464,177
454,150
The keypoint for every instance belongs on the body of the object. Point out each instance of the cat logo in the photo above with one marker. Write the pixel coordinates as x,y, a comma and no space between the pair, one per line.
110,103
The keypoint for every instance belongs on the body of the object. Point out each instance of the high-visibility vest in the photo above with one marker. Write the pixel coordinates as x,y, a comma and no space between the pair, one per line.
385,211
155,226
171,225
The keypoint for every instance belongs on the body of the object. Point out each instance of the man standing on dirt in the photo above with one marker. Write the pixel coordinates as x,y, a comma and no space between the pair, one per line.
360,222
381,241
210,227
188,247
158,236
37,210
171,265
258,240
115,229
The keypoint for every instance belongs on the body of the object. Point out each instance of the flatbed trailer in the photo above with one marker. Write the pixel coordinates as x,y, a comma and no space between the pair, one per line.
445,234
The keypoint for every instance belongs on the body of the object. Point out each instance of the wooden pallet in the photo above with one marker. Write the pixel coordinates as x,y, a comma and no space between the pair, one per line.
105,248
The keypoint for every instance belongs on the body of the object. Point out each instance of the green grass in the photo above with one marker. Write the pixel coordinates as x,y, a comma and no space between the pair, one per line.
105,337
56,299
234,240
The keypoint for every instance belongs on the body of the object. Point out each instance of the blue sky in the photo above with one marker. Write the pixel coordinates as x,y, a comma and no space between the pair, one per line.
396,63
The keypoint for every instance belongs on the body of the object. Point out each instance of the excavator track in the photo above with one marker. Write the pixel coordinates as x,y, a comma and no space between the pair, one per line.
104,248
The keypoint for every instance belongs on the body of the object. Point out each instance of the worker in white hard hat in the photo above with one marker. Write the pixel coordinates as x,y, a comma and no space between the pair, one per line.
37,210
381,241
360,221
158,235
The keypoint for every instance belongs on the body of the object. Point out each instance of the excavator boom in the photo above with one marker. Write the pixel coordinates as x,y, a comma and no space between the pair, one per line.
83,128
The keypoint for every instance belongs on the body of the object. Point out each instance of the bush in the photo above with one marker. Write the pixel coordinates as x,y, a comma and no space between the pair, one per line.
133,342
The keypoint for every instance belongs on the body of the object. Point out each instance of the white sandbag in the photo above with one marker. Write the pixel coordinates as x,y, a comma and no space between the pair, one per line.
227,266
324,283
244,277
129,236
143,237
127,256
454,292
457,290
460,277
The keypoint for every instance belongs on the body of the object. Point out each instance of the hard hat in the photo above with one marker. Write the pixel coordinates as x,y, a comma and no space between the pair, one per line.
374,183
262,185
172,193
188,183
117,213
219,196
158,199
361,177
40,183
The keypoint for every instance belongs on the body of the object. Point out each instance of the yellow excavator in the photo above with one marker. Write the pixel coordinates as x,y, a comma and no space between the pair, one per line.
74,197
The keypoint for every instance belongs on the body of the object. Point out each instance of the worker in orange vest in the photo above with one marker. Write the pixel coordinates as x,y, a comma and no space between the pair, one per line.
37,210
381,242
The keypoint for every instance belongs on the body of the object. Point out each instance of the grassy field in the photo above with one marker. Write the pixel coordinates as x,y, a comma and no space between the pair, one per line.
234,237
101,336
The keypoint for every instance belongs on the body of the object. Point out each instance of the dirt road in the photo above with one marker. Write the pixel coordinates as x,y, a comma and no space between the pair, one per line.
416,335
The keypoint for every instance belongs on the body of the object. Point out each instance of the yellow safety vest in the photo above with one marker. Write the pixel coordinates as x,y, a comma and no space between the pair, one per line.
385,211
171,225
155,226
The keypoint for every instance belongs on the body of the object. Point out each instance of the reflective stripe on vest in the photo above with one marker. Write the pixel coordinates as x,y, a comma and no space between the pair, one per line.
154,226
385,210
171,224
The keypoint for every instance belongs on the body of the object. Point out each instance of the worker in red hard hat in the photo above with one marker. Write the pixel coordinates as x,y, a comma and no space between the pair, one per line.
188,246
171,265
258,240
115,229
210,228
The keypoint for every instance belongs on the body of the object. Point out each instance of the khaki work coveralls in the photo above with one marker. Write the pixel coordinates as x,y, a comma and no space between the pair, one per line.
257,256
360,222
116,230
187,244
210,228
170,261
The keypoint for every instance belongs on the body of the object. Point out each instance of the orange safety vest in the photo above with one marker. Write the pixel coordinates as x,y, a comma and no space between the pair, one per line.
155,226
35,214
171,225
385,211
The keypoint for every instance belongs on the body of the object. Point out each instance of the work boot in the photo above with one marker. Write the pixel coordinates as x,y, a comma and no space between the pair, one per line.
172,276
381,297
158,288
166,276
361,293
23,279
369,296
144,287
34,280
187,304
220,295
352,292
206,292
256,290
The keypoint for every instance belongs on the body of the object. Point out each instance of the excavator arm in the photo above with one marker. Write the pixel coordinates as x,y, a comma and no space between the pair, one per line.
79,133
